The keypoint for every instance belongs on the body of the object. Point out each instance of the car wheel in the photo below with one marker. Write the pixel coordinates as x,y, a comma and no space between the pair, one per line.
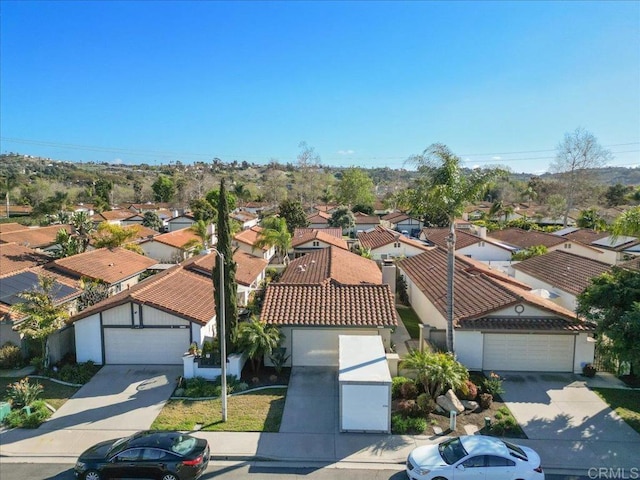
169,476
92,475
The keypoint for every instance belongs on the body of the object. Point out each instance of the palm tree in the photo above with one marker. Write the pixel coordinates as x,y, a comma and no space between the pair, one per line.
444,189
201,229
68,244
83,228
437,372
42,315
257,339
275,234
627,223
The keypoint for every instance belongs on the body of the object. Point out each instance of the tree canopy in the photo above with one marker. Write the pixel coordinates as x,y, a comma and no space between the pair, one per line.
293,214
355,188
163,188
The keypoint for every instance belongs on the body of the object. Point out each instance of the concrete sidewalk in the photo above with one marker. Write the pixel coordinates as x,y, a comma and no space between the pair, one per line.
558,456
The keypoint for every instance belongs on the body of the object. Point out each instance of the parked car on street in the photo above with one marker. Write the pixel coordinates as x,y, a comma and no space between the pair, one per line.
147,454
472,457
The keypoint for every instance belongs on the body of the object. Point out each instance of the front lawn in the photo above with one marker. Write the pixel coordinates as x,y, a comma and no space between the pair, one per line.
410,320
625,403
54,393
259,411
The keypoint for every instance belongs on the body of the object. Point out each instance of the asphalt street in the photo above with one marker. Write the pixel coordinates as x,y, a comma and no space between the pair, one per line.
231,471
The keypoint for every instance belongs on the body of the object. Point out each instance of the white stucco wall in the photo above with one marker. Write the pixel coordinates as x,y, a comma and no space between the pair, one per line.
564,299
486,252
425,310
88,339
585,347
468,347
162,252
584,251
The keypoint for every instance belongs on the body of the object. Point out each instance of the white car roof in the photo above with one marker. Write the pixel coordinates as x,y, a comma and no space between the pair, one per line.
481,445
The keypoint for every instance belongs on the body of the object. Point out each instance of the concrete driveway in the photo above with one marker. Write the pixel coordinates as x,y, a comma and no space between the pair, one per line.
561,406
312,401
118,397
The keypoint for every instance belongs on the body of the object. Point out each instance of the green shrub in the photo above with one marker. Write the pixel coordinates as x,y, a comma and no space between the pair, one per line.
409,391
10,356
18,418
200,387
426,404
506,424
485,400
36,362
396,383
22,393
498,415
493,384
407,425
77,372
504,410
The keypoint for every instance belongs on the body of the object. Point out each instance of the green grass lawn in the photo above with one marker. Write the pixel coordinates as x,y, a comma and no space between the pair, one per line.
54,393
410,320
625,403
260,411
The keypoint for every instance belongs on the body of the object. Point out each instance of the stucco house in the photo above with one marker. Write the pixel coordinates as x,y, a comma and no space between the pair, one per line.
499,323
469,245
245,218
318,220
180,221
365,222
153,322
613,249
42,239
324,294
247,241
563,275
386,244
306,240
169,247
402,222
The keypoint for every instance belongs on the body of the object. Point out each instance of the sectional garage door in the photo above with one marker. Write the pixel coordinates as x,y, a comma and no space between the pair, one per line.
319,347
528,353
159,346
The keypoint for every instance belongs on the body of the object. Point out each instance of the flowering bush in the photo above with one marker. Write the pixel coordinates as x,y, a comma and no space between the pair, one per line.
493,384
23,393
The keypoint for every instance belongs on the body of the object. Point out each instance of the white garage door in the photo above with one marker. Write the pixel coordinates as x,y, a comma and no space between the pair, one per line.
319,348
159,346
528,353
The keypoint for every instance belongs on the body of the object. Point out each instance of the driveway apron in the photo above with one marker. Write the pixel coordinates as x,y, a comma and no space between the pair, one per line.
118,397
312,401
561,406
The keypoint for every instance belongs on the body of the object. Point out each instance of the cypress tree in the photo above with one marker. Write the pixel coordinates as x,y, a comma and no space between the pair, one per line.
230,285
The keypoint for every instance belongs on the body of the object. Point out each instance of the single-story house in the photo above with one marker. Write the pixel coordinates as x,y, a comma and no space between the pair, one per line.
318,220
469,245
386,244
169,247
365,222
118,268
247,241
117,217
613,249
42,239
306,240
245,218
562,274
153,322
499,323
402,222
179,222
324,294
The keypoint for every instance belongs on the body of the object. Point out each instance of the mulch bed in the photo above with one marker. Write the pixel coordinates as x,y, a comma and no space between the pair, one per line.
265,376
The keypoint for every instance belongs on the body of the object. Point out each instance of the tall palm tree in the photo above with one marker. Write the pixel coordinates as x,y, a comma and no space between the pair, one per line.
201,229
257,339
83,228
446,190
275,234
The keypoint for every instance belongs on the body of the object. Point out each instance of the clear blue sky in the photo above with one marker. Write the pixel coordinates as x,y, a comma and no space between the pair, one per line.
365,83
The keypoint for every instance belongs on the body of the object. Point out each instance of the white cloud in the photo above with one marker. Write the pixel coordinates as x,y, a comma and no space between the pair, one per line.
475,166
117,161
496,158
346,152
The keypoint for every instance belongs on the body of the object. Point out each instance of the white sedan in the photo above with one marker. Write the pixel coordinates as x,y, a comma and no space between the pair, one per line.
474,457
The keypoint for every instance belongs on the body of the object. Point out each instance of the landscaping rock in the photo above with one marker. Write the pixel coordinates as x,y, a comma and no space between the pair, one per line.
449,402
437,430
470,405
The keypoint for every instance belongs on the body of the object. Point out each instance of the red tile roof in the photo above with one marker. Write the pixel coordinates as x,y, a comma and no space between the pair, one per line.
336,232
34,237
14,257
250,237
318,217
248,267
364,219
478,293
332,263
177,238
310,234
11,227
381,236
526,238
112,215
109,265
178,291
438,236
585,235
566,271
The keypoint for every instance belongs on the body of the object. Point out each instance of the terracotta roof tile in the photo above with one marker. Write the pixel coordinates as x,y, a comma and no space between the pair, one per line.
395,217
364,219
109,265
329,304
477,293
438,236
336,232
248,267
300,238
332,263
381,236
11,227
112,215
177,238
525,323
14,257
250,237
633,264
585,235
526,238
34,237
566,271
179,291
318,217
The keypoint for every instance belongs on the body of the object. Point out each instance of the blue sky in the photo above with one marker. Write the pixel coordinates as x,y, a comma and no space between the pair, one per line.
364,83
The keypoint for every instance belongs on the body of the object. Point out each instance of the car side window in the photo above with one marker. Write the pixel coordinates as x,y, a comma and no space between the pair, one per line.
474,462
130,455
150,454
496,461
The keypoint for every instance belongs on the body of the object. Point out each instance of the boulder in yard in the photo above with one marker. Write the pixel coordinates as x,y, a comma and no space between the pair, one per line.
470,405
449,402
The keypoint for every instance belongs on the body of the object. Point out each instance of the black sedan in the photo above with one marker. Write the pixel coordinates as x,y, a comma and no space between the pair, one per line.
148,454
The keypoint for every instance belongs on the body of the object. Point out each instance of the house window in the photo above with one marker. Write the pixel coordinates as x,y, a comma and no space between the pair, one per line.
481,244
316,243
396,245
567,245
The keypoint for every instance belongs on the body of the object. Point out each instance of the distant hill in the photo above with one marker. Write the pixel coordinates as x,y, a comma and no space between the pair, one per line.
604,176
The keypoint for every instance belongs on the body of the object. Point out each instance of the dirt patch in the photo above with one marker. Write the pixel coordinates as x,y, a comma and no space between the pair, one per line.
265,376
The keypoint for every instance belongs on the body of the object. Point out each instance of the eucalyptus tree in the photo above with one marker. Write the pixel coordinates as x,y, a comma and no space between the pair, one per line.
444,189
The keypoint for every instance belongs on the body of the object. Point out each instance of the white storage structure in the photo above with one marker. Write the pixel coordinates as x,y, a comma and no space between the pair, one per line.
364,385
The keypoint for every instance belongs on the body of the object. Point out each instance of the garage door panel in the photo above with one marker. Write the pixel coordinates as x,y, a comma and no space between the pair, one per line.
319,347
519,352
153,346
365,408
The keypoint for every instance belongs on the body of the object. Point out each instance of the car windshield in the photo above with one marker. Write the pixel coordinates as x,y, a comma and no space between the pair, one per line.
516,451
452,450
183,445
118,446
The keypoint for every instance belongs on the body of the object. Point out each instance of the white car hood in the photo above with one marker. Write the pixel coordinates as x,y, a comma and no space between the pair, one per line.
427,456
